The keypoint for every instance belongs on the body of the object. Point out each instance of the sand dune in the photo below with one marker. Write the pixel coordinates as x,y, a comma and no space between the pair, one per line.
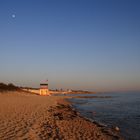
31,117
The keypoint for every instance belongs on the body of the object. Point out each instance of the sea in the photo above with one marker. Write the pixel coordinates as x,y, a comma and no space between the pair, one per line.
121,109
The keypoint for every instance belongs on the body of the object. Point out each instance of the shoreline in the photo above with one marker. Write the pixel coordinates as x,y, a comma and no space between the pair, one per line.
27,116
101,131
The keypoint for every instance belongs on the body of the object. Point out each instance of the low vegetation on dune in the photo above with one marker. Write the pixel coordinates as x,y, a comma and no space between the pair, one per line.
8,87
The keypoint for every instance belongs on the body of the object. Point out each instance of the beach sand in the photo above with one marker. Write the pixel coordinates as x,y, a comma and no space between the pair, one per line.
24,116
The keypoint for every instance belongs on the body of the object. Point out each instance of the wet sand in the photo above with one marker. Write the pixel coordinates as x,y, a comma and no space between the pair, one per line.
30,117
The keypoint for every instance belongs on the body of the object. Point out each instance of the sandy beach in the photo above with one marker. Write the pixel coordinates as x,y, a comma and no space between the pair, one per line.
25,116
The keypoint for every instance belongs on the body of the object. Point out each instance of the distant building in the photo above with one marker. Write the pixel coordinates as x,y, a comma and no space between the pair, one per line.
69,90
44,89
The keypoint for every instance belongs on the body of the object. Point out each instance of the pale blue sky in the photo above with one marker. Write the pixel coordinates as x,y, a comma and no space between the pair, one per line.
78,44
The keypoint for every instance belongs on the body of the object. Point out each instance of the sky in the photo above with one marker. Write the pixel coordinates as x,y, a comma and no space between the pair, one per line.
75,44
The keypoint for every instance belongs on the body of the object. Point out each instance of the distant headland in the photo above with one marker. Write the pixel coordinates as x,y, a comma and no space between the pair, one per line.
42,90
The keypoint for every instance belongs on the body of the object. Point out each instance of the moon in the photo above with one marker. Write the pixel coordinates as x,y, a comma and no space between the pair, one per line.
13,16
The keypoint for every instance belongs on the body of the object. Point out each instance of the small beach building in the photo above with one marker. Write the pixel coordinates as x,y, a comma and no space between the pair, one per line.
44,89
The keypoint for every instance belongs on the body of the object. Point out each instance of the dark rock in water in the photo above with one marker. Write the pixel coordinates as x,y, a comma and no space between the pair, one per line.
92,97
